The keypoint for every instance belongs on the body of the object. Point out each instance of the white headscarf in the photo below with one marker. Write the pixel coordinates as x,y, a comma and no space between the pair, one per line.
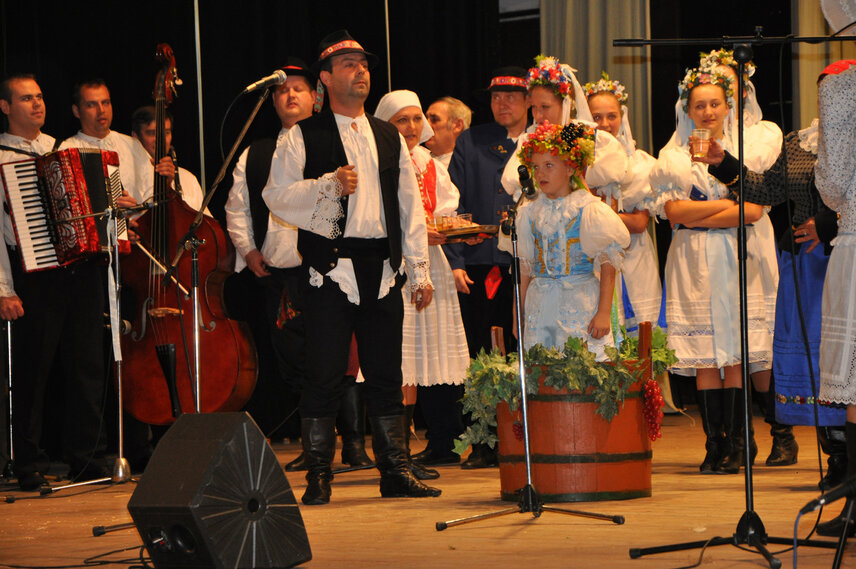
394,101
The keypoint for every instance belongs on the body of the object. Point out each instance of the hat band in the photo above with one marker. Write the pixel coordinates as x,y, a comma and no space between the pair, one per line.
508,81
341,45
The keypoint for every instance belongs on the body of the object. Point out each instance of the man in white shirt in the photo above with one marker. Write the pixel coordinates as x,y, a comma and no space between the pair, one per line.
144,130
58,319
448,117
93,106
347,182
272,277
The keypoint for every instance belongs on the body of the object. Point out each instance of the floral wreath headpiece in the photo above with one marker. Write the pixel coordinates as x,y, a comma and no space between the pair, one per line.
548,72
723,57
607,85
696,77
574,143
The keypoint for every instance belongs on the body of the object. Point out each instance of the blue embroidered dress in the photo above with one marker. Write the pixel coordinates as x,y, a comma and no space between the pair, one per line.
562,244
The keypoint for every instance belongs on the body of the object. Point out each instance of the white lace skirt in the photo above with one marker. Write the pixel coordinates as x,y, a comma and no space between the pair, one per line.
702,301
558,308
641,276
434,348
838,324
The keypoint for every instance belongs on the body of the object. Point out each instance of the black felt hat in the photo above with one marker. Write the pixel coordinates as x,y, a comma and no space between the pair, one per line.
296,66
340,42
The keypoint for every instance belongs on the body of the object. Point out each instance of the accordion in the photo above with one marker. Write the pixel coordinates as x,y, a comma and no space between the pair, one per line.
48,198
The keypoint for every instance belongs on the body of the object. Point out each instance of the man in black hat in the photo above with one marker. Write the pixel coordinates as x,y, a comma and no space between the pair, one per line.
269,276
481,271
346,181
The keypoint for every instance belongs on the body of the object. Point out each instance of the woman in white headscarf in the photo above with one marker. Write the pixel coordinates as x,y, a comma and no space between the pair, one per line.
435,357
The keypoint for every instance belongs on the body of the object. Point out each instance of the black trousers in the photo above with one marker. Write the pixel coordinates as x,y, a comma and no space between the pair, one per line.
479,313
330,320
63,321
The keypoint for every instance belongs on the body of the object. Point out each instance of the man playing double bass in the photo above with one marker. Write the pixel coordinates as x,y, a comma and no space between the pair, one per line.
346,181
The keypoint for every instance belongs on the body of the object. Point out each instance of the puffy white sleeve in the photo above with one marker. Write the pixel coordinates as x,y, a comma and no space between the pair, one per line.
448,195
603,236
311,205
636,192
414,232
510,178
671,178
610,162
836,158
192,192
762,144
239,220
525,238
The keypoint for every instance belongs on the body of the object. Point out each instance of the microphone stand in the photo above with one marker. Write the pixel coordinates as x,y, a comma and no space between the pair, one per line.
9,468
530,500
750,529
121,468
190,242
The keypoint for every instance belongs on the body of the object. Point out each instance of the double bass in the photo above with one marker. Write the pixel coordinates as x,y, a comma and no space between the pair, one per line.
158,352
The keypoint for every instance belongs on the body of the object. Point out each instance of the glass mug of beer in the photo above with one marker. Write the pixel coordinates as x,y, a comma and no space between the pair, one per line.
700,143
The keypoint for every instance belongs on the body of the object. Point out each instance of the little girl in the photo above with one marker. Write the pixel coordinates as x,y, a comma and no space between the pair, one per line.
570,243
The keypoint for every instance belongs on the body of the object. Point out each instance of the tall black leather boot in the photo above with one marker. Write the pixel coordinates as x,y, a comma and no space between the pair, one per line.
835,526
351,424
418,469
388,443
710,408
832,442
319,444
785,448
732,420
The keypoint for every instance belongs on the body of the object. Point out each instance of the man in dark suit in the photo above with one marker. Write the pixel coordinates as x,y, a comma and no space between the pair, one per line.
481,271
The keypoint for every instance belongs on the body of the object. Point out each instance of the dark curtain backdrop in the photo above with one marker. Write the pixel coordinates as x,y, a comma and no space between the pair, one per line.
438,48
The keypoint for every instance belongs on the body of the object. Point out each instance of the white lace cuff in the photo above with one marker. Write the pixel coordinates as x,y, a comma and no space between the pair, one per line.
7,289
657,206
418,275
613,254
328,208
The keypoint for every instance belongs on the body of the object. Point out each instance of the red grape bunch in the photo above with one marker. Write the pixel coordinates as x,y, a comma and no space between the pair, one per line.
653,408
517,427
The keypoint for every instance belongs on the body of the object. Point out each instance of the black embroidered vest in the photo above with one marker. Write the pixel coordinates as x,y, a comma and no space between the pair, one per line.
259,157
325,153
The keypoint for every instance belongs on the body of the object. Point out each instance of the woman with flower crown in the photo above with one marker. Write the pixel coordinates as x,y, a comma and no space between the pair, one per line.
435,357
639,283
701,271
571,244
556,97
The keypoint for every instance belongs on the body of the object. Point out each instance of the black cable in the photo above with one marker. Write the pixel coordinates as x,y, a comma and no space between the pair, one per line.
842,29
94,561
223,125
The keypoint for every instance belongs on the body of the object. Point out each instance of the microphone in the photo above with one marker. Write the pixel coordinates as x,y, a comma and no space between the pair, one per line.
278,77
846,489
527,184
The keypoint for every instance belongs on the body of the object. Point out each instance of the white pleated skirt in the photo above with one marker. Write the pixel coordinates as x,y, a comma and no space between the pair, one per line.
838,324
434,348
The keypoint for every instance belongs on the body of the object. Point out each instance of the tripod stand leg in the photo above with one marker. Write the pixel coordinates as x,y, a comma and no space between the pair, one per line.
460,521
842,541
614,519
637,552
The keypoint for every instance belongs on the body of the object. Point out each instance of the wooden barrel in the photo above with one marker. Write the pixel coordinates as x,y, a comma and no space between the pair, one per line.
576,455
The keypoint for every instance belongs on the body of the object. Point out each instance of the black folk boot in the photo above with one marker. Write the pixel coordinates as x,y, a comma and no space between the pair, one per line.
785,448
710,408
351,424
732,420
319,444
389,445
835,526
832,442
418,469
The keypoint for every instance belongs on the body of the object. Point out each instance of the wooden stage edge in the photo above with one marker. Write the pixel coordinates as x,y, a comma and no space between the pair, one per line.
358,529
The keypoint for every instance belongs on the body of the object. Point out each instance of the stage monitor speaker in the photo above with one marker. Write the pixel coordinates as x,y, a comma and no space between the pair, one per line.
214,496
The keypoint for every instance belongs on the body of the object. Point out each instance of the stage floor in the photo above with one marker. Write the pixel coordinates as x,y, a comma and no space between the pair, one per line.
358,529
